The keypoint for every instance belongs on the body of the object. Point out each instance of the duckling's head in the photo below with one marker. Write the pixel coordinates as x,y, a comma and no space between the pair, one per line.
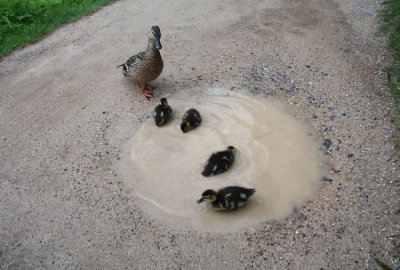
232,149
185,126
209,196
156,34
163,101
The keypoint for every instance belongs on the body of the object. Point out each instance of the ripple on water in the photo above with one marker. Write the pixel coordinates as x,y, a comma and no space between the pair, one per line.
274,156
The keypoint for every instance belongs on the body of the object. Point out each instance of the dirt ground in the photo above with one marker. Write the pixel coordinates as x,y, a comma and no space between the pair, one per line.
66,111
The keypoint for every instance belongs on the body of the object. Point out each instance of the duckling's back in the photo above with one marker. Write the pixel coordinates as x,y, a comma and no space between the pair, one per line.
218,163
231,198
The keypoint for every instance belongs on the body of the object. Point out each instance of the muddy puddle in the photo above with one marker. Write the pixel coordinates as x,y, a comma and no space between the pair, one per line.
276,155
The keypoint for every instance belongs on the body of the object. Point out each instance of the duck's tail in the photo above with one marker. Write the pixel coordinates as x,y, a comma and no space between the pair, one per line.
121,65
251,191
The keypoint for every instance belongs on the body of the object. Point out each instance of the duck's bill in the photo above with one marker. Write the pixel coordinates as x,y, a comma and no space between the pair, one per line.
200,200
158,43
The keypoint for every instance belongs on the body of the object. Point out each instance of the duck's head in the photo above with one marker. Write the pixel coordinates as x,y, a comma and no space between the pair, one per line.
209,196
232,149
163,101
185,126
156,35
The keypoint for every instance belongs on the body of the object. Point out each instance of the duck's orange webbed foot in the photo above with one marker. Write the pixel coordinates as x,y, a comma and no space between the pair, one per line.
149,87
146,95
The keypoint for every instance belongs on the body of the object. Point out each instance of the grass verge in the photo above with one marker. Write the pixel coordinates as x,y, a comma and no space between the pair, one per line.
391,18
26,21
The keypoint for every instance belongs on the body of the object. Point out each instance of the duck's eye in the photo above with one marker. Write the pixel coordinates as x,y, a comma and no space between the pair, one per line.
156,34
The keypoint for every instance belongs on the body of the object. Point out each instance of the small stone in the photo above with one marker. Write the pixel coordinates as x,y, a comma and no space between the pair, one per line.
349,155
326,179
327,143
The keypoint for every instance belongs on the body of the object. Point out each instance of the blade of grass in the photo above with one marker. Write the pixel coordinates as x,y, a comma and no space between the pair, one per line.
391,18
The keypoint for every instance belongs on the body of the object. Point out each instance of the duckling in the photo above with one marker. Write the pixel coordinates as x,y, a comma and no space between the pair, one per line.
219,162
162,112
146,66
228,198
190,120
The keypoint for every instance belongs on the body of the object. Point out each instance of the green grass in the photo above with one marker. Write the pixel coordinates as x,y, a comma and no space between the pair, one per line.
383,265
26,21
391,18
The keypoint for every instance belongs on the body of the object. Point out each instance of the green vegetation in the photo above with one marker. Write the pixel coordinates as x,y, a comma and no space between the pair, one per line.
382,264
391,17
26,21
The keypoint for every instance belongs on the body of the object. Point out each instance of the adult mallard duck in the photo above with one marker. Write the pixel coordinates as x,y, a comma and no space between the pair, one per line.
146,66
162,112
219,162
190,120
229,198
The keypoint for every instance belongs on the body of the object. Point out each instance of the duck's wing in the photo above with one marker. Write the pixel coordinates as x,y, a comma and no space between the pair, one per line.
238,192
135,58
212,165
132,60
185,116
231,200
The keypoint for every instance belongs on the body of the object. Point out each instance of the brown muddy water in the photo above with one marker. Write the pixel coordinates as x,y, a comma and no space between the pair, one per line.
276,155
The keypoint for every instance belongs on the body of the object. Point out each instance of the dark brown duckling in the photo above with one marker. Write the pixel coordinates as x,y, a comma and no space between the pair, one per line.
162,112
219,162
190,120
228,198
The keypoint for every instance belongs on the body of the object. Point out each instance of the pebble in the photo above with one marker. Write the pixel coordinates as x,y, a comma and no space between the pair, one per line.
326,179
327,143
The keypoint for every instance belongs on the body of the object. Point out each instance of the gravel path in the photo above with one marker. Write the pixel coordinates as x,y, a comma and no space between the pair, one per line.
66,111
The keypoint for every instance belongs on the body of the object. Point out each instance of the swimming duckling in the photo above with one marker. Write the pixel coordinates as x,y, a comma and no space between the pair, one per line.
190,120
162,112
229,198
219,162
146,66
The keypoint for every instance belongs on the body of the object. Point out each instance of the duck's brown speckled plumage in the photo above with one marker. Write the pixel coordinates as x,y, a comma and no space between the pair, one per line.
145,66
142,68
